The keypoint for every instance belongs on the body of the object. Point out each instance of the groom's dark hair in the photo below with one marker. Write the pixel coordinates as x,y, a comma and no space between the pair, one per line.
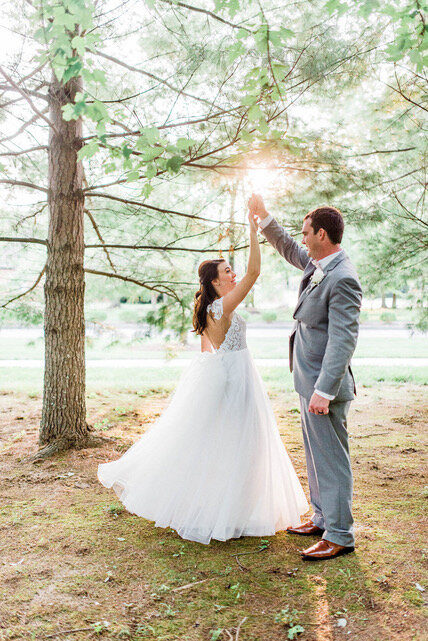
330,219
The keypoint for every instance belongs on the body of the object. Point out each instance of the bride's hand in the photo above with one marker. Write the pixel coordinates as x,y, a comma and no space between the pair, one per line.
253,222
257,206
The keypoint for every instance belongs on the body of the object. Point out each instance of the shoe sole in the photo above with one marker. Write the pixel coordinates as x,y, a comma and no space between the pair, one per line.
318,532
347,550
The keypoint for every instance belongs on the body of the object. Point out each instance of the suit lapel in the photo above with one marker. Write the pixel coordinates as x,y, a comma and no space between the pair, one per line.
309,270
306,290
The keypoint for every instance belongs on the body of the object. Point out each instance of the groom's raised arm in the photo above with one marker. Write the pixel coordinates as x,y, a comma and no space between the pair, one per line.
277,236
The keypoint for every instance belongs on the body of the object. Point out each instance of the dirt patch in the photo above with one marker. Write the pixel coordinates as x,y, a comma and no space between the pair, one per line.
76,565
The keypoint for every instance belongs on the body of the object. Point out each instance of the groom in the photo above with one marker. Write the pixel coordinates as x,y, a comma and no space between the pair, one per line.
321,345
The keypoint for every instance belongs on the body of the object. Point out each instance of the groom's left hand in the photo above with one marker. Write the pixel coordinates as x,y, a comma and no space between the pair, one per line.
318,404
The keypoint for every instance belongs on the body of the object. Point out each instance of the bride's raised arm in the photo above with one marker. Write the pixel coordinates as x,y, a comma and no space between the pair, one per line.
232,299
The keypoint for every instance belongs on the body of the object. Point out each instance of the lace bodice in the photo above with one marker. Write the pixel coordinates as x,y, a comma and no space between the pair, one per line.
235,338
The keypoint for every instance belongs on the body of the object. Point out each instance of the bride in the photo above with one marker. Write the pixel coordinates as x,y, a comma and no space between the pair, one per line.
213,466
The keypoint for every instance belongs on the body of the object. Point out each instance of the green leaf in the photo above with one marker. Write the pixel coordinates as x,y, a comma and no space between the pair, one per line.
126,151
64,19
151,170
146,190
41,35
78,43
150,153
235,51
72,71
88,150
275,38
174,164
286,33
248,100
263,127
151,134
261,39
246,136
294,631
132,176
254,113
242,33
110,167
185,143
98,111
68,112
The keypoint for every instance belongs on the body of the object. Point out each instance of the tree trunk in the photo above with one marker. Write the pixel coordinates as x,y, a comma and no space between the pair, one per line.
394,301
63,422
383,303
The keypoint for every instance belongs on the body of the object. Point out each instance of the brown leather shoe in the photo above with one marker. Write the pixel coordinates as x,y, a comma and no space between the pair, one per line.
325,550
307,529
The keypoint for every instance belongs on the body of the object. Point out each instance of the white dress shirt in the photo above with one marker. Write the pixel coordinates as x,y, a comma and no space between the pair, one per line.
322,264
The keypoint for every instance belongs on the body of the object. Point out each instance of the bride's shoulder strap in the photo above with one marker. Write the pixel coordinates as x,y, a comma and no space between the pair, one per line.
216,308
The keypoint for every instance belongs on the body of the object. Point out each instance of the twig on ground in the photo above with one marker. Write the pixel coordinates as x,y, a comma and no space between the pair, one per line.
239,628
190,585
56,634
369,435
241,567
253,552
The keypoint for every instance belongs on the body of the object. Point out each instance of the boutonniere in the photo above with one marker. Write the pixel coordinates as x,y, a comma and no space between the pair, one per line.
317,276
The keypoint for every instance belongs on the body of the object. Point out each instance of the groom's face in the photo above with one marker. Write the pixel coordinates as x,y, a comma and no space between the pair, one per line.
311,239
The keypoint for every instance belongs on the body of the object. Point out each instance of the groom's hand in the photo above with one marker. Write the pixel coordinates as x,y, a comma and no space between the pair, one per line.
257,206
318,404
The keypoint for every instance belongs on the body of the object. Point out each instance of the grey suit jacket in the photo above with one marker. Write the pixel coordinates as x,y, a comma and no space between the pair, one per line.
326,328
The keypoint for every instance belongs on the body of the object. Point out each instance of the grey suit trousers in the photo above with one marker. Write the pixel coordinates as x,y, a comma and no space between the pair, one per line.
329,470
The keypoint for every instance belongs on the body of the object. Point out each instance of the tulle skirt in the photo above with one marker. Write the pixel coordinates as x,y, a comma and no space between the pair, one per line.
213,466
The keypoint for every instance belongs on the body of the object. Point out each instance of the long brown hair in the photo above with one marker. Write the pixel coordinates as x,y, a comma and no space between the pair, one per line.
206,294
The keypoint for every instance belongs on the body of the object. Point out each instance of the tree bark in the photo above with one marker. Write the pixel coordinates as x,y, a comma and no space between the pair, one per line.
63,422
394,301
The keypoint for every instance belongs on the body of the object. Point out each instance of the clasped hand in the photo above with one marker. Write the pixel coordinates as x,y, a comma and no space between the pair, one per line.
257,206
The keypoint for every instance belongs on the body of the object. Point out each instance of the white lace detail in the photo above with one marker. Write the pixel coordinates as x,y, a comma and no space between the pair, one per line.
235,338
216,307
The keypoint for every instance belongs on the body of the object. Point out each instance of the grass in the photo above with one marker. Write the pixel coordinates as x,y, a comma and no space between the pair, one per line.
73,558
146,381
415,346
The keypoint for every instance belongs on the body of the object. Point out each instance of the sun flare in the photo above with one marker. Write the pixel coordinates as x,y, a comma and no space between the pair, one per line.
260,179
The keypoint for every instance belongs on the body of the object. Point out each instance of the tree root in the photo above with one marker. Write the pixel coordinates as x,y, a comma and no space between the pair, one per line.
62,445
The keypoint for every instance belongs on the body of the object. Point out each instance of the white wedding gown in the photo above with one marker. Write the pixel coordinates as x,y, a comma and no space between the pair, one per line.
213,466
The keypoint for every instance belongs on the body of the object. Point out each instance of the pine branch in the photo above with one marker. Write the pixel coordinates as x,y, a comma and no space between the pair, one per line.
165,248
407,98
25,95
98,233
39,278
185,123
23,127
21,183
38,241
158,209
168,291
153,77
381,151
24,151
206,12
